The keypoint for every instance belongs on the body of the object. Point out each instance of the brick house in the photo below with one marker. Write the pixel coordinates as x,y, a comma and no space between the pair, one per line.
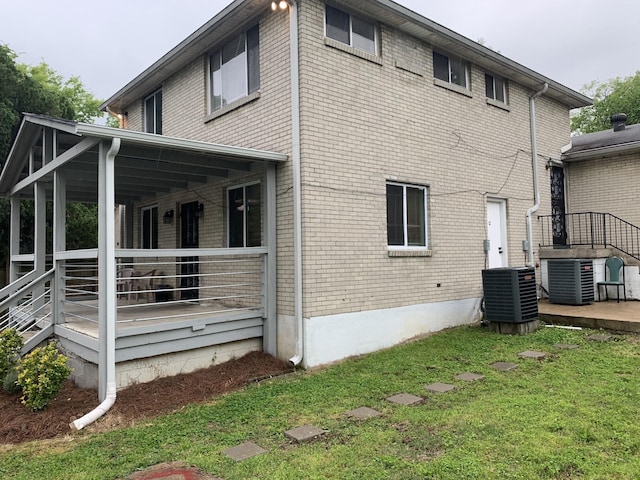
599,171
367,149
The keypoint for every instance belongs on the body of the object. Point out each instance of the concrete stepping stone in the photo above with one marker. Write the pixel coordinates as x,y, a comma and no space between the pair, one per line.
440,387
305,433
244,451
363,413
405,399
566,346
599,337
469,377
533,354
504,366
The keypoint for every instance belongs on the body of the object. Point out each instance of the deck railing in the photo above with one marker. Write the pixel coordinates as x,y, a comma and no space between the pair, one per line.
215,280
594,229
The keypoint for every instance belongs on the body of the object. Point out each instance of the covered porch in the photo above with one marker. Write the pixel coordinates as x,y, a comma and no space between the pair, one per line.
132,296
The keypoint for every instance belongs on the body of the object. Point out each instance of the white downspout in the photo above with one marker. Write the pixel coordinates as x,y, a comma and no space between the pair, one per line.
297,182
106,261
534,167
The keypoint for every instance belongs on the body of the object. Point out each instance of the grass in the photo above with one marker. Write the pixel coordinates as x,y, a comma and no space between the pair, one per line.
572,415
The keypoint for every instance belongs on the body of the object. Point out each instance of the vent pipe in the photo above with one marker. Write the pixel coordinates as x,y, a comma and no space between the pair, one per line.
618,122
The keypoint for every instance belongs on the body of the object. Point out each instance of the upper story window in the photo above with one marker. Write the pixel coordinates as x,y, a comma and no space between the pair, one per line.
350,30
235,69
245,215
153,113
496,87
406,216
451,70
149,227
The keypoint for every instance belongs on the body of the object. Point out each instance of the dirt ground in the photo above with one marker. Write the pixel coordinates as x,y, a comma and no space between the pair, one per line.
164,395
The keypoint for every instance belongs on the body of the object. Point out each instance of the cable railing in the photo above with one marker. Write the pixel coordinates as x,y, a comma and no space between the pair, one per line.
591,229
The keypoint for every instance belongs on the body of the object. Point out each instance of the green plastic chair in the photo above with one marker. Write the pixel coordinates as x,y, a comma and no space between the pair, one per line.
614,265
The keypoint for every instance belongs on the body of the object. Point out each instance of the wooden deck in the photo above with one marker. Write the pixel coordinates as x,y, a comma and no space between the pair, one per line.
611,315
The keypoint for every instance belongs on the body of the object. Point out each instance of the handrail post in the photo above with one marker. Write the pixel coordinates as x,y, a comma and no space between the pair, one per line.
591,227
604,229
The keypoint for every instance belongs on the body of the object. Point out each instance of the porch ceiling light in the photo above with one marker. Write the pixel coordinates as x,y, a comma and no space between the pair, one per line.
167,218
282,5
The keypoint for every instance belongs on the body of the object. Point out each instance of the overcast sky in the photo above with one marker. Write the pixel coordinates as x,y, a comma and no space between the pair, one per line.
108,43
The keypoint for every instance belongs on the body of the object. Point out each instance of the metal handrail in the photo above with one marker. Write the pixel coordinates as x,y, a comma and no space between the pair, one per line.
594,229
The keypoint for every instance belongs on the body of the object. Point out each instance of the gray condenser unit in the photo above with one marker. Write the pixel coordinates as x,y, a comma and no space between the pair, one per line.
510,294
570,281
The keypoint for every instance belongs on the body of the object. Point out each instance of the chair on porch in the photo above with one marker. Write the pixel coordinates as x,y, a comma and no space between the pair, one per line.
142,284
614,265
125,281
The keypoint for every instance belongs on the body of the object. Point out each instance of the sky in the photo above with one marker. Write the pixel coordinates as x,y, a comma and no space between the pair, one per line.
108,43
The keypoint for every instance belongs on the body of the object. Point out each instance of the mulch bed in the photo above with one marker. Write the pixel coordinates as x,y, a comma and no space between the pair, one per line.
164,395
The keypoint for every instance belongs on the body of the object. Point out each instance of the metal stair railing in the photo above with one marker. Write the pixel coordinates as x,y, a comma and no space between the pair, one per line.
594,229
26,306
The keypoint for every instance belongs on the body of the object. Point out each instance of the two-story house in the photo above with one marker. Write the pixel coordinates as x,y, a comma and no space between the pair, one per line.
317,179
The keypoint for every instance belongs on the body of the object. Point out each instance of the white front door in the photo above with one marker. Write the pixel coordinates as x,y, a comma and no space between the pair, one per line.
497,233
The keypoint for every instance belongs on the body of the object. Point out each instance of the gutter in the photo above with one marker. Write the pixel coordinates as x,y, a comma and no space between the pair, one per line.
534,167
297,183
107,303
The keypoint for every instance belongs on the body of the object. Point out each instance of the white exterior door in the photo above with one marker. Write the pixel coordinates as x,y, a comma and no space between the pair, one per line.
497,233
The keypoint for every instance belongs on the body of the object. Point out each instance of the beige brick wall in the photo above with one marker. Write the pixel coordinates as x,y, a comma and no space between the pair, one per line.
607,185
365,123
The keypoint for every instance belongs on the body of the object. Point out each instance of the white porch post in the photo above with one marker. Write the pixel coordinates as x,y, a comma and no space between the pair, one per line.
270,330
106,267
40,241
59,243
14,241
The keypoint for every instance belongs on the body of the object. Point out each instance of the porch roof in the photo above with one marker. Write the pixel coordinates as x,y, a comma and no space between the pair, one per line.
146,165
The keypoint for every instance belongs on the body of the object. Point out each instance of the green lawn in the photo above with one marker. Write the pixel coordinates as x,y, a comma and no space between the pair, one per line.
572,415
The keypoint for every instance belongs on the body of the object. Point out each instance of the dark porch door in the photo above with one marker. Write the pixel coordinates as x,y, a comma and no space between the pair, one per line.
558,224
189,239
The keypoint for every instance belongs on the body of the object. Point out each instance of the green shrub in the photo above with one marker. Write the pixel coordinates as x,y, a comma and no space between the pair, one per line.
10,383
41,374
10,346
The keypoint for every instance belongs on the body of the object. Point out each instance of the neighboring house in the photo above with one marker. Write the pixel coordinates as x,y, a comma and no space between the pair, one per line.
598,176
318,181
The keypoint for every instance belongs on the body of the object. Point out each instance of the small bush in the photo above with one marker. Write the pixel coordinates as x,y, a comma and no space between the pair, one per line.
41,374
10,345
10,383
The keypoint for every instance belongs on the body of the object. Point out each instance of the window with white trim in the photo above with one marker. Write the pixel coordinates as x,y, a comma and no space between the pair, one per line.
153,113
245,215
407,215
350,30
149,227
496,87
234,70
451,70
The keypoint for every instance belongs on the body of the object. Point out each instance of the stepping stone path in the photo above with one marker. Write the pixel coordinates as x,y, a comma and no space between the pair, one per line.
305,433
244,451
599,337
504,366
405,399
533,354
363,413
440,387
469,377
310,432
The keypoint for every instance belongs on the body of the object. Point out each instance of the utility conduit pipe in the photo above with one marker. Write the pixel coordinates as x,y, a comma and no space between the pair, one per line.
534,167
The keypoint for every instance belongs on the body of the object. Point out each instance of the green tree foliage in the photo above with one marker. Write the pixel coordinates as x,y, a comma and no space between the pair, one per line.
618,95
39,89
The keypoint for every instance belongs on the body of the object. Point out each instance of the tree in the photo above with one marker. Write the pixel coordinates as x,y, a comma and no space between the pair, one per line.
39,89
618,95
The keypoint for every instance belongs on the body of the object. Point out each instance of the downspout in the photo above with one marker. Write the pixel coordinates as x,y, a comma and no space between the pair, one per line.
297,182
108,338
534,167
